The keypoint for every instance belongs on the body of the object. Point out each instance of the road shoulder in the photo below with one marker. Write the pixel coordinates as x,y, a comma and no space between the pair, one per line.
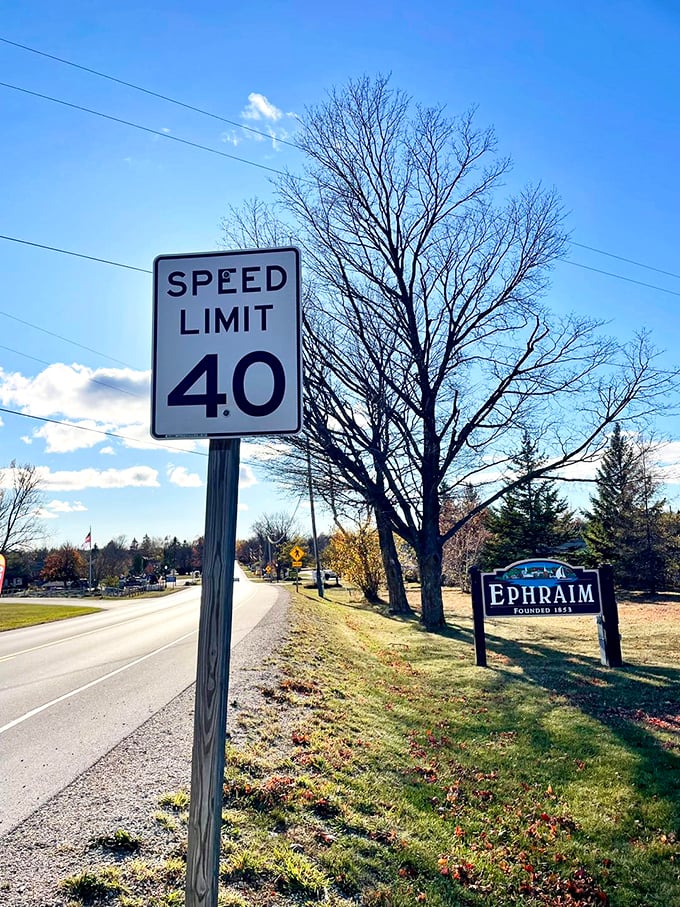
123,788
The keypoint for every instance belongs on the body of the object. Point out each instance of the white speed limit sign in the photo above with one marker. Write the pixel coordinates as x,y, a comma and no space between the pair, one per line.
227,344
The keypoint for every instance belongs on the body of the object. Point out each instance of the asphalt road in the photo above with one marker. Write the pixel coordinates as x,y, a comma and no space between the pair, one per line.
71,690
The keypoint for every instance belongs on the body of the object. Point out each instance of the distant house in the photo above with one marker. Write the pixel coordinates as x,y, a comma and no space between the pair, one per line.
570,548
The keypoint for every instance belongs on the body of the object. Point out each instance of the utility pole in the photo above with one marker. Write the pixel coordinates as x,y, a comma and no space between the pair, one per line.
319,578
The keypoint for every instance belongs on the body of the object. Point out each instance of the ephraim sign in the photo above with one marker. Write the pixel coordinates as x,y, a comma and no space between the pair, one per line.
538,588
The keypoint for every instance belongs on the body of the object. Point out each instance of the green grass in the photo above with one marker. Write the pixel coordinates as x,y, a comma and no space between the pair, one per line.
92,887
16,614
121,841
386,770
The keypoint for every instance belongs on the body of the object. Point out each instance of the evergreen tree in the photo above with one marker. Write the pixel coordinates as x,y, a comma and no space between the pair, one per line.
532,519
625,523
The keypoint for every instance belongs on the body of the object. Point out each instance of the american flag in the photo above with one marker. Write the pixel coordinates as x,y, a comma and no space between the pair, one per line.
88,538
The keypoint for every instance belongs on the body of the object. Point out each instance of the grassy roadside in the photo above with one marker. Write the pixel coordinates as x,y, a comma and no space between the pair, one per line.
385,770
17,614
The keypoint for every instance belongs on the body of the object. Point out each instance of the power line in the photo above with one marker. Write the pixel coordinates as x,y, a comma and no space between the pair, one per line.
118,264
147,129
68,340
629,261
640,283
281,173
259,132
148,91
105,261
120,390
98,431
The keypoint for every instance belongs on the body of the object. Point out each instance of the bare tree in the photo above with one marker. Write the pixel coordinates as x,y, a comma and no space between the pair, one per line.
428,346
274,530
432,346
462,550
256,224
20,501
302,459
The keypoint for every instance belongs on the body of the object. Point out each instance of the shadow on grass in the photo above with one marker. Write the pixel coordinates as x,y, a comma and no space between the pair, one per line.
630,702
633,702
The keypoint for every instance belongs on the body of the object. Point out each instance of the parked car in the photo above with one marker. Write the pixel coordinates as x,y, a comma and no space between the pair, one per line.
308,577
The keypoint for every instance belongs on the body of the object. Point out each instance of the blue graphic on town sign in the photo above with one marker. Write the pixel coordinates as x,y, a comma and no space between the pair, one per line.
541,587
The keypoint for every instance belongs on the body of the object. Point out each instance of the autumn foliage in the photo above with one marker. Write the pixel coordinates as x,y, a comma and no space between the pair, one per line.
65,565
356,557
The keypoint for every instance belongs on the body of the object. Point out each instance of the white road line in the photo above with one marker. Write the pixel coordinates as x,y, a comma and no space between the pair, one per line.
92,683
57,642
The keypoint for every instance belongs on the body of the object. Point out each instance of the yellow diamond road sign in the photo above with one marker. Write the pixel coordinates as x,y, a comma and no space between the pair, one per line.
297,553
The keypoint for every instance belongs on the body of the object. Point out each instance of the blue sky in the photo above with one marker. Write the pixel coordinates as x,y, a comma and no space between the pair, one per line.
582,96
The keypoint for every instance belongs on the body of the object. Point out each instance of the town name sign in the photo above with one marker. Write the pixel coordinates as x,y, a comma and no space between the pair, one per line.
541,588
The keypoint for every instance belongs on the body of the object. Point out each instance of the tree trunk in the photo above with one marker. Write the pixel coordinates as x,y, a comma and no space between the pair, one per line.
393,574
430,564
430,548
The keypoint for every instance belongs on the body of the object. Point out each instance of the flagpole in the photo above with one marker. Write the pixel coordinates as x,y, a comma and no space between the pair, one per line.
89,536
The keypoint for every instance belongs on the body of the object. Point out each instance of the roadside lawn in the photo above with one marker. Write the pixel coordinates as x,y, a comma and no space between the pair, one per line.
386,770
17,614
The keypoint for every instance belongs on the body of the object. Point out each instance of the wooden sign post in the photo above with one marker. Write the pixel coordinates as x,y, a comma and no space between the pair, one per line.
212,677
226,364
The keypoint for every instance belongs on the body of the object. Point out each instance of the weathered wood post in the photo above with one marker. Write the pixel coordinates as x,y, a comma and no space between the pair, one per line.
212,678
608,627
478,616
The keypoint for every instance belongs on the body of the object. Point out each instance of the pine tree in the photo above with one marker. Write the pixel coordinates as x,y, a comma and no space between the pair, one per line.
624,524
532,519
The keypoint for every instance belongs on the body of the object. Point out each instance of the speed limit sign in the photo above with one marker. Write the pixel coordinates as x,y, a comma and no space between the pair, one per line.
227,344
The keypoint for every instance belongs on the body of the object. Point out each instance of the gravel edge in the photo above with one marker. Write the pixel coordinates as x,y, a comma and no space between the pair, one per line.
122,789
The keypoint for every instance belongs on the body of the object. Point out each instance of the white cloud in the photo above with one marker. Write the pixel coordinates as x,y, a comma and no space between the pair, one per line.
108,451
81,396
263,451
78,392
260,108
57,506
44,514
580,472
79,479
246,477
66,438
179,475
231,138
26,439
666,457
